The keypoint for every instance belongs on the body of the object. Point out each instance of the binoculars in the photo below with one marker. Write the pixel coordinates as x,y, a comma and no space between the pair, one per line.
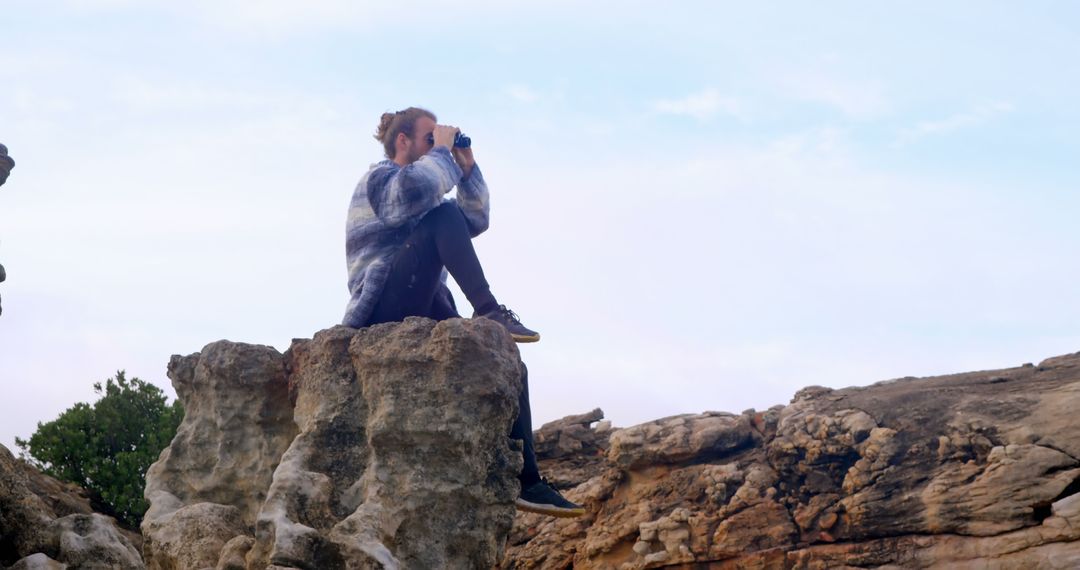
460,140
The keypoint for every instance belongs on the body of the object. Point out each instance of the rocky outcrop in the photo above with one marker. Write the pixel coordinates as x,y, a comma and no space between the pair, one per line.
574,451
384,447
387,447
978,470
48,524
209,484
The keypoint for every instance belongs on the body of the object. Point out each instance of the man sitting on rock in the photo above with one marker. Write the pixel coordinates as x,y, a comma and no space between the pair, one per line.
6,164
403,236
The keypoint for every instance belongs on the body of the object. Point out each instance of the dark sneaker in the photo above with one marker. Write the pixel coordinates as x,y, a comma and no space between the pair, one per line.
508,319
542,498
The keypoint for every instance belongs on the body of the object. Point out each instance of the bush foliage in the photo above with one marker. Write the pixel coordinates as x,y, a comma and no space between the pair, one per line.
107,447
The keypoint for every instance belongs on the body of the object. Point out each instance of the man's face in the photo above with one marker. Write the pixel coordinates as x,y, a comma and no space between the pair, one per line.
419,145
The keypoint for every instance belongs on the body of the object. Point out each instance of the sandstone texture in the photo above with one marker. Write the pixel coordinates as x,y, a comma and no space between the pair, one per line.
387,448
977,470
384,447
48,524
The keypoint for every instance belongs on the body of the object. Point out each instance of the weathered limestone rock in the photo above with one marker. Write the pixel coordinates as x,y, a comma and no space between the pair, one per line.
24,517
38,562
45,523
237,422
192,536
570,435
209,484
234,553
93,542
384,447
978,470
679,438
574,449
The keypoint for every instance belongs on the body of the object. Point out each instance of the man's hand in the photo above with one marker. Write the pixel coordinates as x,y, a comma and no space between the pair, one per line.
464,159
444,135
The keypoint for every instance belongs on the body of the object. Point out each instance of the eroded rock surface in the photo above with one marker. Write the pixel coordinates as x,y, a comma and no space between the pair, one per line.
209,484
976,470
48,524
385,447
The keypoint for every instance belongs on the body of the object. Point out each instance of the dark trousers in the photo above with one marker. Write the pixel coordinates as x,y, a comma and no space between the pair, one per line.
414,289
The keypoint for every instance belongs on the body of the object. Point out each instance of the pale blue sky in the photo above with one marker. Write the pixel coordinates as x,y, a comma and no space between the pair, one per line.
704,206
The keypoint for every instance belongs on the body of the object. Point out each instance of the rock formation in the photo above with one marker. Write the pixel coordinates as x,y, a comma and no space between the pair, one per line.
48,524
975,470
385,447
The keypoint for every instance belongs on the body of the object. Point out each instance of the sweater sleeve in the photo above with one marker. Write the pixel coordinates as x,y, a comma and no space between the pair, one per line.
472,198
399,195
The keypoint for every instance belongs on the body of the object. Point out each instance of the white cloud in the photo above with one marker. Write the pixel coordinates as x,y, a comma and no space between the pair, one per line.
166,96
286,16
26,101
281,19
976,116
854,98
521,93
702,106
266,18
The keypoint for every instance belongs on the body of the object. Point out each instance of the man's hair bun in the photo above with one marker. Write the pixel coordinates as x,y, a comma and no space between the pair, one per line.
403,121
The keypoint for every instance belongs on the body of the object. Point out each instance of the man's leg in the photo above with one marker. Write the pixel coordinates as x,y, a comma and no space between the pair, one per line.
453,244
537,495
441,239
522,429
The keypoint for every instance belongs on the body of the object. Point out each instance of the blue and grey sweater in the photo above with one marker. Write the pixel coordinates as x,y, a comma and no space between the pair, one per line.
386,206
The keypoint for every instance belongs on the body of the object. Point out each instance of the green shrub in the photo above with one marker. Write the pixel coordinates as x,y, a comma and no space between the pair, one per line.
107,447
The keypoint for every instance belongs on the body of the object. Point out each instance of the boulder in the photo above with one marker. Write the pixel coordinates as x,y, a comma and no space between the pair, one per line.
48,524
384,447
38,562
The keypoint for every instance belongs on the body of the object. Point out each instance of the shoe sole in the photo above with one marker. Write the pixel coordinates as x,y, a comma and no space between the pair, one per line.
552,510
523,338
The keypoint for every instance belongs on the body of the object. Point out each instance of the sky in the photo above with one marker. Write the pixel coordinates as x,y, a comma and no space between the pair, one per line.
700,205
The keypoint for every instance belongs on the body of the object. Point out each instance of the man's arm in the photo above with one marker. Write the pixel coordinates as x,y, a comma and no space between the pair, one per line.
472,194
398,195
472,198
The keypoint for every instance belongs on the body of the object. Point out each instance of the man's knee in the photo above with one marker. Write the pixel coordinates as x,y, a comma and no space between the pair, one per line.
445,214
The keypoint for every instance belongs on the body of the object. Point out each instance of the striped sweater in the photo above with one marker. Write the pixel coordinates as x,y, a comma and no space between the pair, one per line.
386,206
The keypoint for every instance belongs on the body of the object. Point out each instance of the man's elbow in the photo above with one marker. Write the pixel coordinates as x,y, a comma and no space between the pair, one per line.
478,226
